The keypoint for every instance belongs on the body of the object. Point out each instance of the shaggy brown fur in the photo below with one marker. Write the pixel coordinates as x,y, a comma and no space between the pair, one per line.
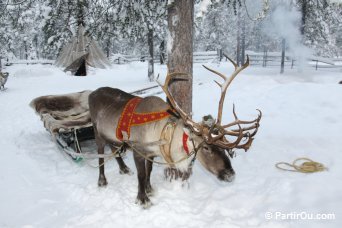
175,174
63,112
53,103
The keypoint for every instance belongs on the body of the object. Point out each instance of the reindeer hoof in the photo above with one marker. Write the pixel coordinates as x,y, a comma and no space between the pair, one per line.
149,190
102,181
126,170
144,202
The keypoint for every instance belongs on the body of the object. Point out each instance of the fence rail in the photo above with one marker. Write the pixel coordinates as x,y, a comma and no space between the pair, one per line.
274,59
28,62
198,57
265,59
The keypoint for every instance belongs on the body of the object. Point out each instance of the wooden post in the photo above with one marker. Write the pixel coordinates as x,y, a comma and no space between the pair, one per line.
264,58
282,64
220,53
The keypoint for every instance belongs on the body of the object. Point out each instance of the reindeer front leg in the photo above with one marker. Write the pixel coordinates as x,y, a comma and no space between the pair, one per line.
142,198
149,165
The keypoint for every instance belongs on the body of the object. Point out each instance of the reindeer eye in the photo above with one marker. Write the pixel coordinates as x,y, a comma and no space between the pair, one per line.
206,148
215,131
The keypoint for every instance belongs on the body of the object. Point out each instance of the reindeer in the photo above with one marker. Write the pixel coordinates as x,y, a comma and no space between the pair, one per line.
3,80
179,138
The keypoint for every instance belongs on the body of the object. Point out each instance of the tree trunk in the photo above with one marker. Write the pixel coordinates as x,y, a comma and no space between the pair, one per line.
80,12
243,42
238,39
108,44
26,51
180,49
151,59
303,21
162,52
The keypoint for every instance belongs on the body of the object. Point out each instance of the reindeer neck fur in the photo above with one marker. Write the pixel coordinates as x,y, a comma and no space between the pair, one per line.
176,152
177,148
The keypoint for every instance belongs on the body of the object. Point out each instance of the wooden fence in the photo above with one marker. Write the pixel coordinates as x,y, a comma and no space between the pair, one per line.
264,59
272,59
199,57
27,62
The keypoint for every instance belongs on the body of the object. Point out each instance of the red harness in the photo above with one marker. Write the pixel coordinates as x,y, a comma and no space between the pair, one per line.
130,118
185,145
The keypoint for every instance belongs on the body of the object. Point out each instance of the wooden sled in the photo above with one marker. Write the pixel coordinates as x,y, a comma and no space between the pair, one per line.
67,119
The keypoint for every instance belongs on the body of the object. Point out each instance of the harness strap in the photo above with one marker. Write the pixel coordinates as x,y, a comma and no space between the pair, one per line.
185,144
126,118
131,118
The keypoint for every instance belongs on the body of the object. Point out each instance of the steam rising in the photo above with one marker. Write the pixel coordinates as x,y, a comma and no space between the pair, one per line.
285,23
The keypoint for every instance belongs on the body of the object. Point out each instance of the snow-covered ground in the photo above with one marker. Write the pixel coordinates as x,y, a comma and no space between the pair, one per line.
40,187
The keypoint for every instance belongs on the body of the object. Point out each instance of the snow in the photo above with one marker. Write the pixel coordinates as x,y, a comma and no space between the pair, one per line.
40,187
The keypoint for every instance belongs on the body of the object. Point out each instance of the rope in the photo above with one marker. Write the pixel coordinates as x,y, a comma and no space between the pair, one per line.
90,155
309,166
107,157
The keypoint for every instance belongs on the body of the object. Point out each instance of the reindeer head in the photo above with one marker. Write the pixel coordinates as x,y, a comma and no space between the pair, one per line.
214,137
5,75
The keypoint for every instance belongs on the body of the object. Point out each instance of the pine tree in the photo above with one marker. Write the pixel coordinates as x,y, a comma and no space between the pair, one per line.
18,28
320,25
143,20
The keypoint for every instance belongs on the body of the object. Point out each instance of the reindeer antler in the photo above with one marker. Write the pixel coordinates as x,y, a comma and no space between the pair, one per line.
216,134
227,81
197,129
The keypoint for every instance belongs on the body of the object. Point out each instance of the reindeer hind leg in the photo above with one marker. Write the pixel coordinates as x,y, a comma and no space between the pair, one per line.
124,169
100,150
